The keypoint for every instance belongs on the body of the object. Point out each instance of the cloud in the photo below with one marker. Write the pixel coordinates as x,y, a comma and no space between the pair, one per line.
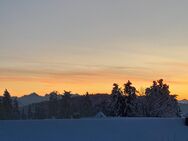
83,73
95,72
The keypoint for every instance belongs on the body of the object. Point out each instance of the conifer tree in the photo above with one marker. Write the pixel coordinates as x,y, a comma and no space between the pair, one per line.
117,101
7,105
16,112
53,104
131,99
23,114
65,111
86,106
30,112
160,103
1,109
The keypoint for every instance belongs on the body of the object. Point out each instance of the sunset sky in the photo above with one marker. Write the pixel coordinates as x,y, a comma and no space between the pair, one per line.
87,45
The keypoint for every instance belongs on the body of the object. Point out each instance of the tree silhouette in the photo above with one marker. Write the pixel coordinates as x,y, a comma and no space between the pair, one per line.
7,105
30,112
1,108
118,103
16,112
65,110
131,99
53,104
160,103
86,106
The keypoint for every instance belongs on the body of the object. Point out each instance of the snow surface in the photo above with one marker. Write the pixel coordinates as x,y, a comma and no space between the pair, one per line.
118,129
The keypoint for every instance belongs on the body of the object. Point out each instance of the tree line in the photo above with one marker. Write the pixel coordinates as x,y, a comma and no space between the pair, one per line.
156,101
9,108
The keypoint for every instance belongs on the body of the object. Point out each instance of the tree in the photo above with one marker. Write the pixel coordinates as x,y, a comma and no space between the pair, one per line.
30,112
160,103
53,104
1,108
86,106
7,105
16,112
118,103
39,111
131,99
65,110
23,114
105,107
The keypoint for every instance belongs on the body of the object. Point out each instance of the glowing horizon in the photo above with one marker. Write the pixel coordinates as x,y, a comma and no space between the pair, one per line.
87,46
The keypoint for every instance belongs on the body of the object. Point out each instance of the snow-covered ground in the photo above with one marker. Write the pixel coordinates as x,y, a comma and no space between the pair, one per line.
122,129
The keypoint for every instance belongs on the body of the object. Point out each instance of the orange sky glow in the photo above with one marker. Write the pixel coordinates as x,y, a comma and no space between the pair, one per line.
86,46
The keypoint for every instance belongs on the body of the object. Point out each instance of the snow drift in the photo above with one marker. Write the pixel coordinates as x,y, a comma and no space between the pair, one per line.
122,129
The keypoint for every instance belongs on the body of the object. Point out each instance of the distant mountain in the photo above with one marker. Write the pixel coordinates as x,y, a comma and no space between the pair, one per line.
184,101
31,98
35,98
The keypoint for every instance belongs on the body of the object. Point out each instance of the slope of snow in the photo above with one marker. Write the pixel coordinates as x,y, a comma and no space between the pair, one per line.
122,129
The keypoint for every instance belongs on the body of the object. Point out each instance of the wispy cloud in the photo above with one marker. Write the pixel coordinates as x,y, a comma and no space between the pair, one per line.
85,72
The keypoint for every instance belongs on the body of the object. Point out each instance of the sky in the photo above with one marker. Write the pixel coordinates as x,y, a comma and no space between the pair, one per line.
87,45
